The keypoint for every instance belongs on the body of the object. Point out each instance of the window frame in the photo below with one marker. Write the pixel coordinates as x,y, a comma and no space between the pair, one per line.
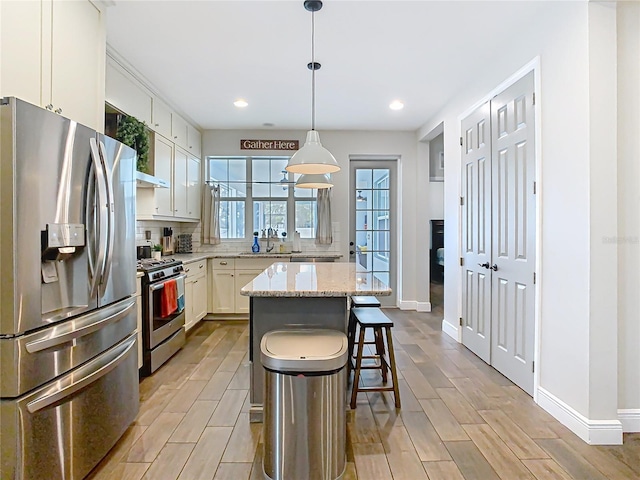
249,199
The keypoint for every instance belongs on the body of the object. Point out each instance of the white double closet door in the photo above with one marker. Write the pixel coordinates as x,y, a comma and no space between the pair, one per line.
498,232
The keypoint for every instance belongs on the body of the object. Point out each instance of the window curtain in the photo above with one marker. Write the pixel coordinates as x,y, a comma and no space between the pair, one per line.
323,230
210,215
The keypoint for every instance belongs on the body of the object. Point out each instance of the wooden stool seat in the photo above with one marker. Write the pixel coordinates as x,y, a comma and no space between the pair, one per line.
374,318
364,301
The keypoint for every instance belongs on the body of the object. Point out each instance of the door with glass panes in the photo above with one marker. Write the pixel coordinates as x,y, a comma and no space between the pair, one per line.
372,242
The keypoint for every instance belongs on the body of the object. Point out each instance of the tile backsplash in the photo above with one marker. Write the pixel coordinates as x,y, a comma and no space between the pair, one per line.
232,246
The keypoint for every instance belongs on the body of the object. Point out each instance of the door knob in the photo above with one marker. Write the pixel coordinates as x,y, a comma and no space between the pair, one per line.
494,267
351,252
485,264
351,244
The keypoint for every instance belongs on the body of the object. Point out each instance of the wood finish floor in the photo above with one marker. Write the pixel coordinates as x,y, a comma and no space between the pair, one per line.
460,419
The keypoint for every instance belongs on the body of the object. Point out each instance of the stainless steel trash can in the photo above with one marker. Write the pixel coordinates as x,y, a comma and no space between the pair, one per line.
304,422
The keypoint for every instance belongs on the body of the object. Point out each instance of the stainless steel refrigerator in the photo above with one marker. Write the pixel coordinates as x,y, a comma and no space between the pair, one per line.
68,352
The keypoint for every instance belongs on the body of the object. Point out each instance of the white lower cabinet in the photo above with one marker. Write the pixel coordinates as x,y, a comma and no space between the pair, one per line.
228,276
195,292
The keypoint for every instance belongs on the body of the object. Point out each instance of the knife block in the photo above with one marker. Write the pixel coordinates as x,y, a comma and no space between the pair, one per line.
167,245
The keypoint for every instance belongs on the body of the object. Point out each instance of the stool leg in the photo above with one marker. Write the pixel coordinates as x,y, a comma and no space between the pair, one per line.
351,333
392,360
356,376
380,352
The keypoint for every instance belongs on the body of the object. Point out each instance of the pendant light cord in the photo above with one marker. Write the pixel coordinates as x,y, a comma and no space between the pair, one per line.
313,72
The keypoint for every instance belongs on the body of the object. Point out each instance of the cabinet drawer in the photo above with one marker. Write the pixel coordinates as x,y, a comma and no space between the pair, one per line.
222,264
257,263
194,269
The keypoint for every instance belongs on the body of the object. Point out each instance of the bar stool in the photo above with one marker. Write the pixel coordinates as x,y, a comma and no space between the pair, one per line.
374,318
357,301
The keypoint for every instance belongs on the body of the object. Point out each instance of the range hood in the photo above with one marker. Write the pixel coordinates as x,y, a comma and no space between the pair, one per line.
144,180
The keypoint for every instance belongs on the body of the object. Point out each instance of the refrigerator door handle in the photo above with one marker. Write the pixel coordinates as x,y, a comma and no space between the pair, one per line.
89,373
102,207
71,330
111,216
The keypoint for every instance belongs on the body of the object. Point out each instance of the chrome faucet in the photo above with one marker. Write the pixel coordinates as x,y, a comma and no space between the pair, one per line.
269,248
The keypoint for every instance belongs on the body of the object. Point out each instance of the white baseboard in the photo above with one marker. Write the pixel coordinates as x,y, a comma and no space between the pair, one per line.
630,419
450,329
407,305
423,306
594,432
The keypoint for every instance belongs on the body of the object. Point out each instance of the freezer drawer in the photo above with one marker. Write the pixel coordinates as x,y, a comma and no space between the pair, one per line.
32,360
62,430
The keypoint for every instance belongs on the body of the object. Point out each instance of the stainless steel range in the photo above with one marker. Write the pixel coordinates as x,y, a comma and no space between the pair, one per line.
162,328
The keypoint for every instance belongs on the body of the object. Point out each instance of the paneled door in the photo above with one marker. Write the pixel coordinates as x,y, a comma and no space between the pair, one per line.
372,238
476,232
498,232
513,234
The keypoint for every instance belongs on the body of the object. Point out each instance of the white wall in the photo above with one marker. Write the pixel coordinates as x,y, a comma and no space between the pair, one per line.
342,145
567,271
628,238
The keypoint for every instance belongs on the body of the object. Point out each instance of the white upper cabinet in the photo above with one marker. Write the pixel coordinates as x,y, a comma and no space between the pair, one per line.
180,183
161,118
194,184
179,129
194,140
21,50
125,94
163,151
53,55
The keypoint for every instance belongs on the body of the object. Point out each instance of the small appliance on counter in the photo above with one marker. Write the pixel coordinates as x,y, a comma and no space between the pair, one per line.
167,241
184,243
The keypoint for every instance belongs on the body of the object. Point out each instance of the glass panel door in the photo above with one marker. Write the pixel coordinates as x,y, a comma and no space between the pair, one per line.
372,221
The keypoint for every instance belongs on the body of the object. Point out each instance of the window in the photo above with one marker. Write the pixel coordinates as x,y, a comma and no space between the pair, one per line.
257,194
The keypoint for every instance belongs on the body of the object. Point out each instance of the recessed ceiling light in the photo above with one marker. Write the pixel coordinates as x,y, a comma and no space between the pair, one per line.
240,103
396,105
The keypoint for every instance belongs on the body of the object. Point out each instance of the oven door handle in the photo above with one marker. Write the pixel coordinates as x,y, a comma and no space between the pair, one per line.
157,286
89,373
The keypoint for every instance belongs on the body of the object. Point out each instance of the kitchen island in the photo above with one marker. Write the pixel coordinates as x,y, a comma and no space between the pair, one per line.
300,295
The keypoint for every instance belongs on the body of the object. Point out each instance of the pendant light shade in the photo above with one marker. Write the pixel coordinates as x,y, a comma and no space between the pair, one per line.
312,158
314,180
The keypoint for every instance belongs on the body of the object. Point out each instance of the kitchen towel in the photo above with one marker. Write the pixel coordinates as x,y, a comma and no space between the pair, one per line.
180,292
168,298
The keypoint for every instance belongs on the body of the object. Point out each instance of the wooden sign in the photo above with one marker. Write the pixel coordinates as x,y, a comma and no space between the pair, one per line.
269,145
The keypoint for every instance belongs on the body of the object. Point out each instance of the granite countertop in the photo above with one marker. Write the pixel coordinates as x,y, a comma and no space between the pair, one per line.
194,257
285,279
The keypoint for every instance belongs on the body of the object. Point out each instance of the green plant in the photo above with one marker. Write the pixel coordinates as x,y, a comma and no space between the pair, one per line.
157,247
133,133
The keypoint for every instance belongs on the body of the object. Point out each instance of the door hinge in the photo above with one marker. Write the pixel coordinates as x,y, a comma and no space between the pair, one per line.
533,367
534,278
460,321
460,141
461,201
461,261
534,188
534,98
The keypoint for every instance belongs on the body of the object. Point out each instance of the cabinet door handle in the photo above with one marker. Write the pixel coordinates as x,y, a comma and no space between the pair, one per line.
49,107
156,124
223,263
200,266
494,267
187,269
58,111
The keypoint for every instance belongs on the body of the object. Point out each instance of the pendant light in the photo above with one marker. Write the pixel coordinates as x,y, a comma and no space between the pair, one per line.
314,180
313,158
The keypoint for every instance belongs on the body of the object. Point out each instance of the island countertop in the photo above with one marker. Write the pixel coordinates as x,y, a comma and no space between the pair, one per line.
284,279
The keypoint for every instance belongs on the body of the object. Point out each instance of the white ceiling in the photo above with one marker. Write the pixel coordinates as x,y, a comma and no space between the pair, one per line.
203,55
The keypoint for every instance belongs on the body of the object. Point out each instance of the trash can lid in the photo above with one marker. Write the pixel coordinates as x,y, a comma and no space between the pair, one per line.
312,350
